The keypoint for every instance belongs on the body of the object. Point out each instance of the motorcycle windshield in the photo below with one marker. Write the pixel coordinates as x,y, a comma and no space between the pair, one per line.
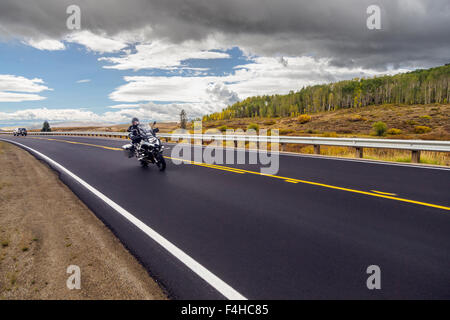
147,130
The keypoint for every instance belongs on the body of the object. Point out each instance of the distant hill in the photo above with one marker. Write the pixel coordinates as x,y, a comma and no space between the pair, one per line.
423,86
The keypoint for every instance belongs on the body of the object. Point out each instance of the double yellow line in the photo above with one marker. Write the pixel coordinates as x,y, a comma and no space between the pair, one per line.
374,193
292,180
82,143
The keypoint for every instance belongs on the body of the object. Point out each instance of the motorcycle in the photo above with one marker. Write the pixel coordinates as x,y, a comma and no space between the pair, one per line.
148,149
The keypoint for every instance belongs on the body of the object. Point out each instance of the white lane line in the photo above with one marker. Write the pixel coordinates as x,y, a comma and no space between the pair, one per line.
196,267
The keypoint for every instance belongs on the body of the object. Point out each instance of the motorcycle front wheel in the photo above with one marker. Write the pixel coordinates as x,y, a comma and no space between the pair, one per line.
161,162
144,164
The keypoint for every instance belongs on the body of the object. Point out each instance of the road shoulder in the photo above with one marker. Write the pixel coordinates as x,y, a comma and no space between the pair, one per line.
44,228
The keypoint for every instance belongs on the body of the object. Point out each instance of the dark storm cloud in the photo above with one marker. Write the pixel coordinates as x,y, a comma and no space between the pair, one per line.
414,32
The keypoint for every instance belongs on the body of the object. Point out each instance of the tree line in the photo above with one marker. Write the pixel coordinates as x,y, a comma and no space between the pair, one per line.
422,86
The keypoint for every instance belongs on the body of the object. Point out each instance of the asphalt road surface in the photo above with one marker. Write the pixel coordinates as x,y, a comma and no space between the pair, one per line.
308,232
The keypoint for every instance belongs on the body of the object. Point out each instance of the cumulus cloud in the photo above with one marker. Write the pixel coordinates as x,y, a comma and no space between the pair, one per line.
161,112
17,88
148,88
269,75
45,44
264,75
145,112
96,42
18,97
99,43
218,92
10,82
49,114
164,55
124,106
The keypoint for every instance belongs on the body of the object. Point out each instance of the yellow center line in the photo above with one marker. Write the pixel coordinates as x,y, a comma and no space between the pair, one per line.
386,193
292,180
287,179
220,168
82,143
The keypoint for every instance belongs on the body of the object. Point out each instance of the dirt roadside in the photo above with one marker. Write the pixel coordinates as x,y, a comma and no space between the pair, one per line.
44,228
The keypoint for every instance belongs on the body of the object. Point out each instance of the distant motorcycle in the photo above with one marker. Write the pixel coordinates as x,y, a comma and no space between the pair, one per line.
148,149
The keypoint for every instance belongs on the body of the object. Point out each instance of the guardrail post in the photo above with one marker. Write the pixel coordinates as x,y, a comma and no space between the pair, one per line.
359,152
317,148
282,146
415,156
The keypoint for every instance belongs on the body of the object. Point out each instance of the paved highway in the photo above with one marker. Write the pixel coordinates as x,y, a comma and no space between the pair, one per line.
309,232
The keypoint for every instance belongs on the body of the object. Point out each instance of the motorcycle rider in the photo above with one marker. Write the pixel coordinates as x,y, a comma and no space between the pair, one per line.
135,134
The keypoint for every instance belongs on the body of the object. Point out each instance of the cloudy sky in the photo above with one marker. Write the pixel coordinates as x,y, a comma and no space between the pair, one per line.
152,58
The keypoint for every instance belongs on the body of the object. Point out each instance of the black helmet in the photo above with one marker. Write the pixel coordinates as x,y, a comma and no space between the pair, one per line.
134,120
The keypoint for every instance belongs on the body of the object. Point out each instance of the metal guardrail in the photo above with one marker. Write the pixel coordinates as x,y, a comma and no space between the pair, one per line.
416,146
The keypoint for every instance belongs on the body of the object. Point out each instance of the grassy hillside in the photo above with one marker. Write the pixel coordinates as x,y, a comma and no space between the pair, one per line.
428,122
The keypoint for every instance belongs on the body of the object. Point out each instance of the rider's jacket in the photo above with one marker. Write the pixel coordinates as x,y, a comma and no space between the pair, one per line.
135,133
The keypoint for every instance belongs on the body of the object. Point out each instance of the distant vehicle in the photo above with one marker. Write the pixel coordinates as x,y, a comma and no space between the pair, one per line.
20,132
